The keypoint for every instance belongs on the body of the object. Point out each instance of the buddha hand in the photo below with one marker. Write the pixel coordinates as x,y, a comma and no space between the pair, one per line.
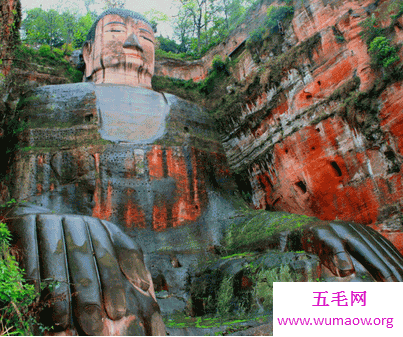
339,243
103,286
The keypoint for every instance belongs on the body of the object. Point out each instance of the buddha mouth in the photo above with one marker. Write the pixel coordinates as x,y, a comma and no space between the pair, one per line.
133,55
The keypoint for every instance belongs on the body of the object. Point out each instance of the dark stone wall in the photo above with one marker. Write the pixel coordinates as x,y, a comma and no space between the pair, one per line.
10,20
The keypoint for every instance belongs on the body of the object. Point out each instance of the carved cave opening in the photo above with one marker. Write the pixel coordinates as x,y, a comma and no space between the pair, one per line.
244,186
301,186
394,166
272,206
336,168
88,118
209,173
160,283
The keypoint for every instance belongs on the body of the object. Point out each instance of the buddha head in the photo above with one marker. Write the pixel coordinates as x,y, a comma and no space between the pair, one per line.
120,49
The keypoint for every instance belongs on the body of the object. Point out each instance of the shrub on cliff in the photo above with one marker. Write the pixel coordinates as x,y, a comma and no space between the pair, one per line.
46,61
15,294
218,64
19,305
275,15
382,53
278,18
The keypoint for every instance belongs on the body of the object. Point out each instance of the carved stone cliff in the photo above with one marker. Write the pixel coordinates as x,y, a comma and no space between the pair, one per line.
322,137
313,127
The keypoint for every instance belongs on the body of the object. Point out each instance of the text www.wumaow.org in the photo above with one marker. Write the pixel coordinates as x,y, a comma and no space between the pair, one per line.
388,322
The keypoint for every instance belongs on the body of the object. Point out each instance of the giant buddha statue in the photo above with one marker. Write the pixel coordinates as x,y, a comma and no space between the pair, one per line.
116,172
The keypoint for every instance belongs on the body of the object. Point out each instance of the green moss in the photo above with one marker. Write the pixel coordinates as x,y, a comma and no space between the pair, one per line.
180,320
92,139
45,123
225,295
236,255
264,279
160,54
185,89
260,228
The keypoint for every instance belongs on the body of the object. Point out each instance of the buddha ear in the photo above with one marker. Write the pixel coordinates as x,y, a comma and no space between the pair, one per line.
87,51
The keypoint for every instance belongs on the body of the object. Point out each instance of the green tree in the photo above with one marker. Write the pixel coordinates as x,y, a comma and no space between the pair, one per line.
50,27
83,26
195,11
203,23
232,11
69,26
168,45
155,17
44,27
114,4
183,31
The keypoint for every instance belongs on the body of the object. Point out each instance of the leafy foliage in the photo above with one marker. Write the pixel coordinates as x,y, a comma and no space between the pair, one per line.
371,29
46,60
168,45
15,294
218,64
202,24
55,29
382,52
277,16
259,228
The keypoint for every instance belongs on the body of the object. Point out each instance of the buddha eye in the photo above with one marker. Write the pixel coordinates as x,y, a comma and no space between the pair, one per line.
116,30
146,38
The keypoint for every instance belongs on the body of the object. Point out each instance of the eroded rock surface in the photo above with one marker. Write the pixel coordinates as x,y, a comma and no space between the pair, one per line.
300,148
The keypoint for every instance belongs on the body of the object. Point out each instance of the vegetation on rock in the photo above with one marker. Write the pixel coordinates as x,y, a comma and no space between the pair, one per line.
382,52
46,61
278,19
202,24
19,307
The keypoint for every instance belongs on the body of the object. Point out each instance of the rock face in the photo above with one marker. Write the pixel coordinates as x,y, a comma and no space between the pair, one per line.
10,18
294,139
317,130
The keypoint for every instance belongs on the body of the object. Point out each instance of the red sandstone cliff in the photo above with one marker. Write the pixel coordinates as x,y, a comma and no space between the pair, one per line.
303,151
316,129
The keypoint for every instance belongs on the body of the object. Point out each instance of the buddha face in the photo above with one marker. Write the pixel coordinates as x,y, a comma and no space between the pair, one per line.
122,52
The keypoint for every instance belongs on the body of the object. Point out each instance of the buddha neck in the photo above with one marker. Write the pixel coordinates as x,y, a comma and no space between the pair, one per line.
122,77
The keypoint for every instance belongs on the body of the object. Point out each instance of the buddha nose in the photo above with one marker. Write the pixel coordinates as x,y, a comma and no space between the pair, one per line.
132,42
